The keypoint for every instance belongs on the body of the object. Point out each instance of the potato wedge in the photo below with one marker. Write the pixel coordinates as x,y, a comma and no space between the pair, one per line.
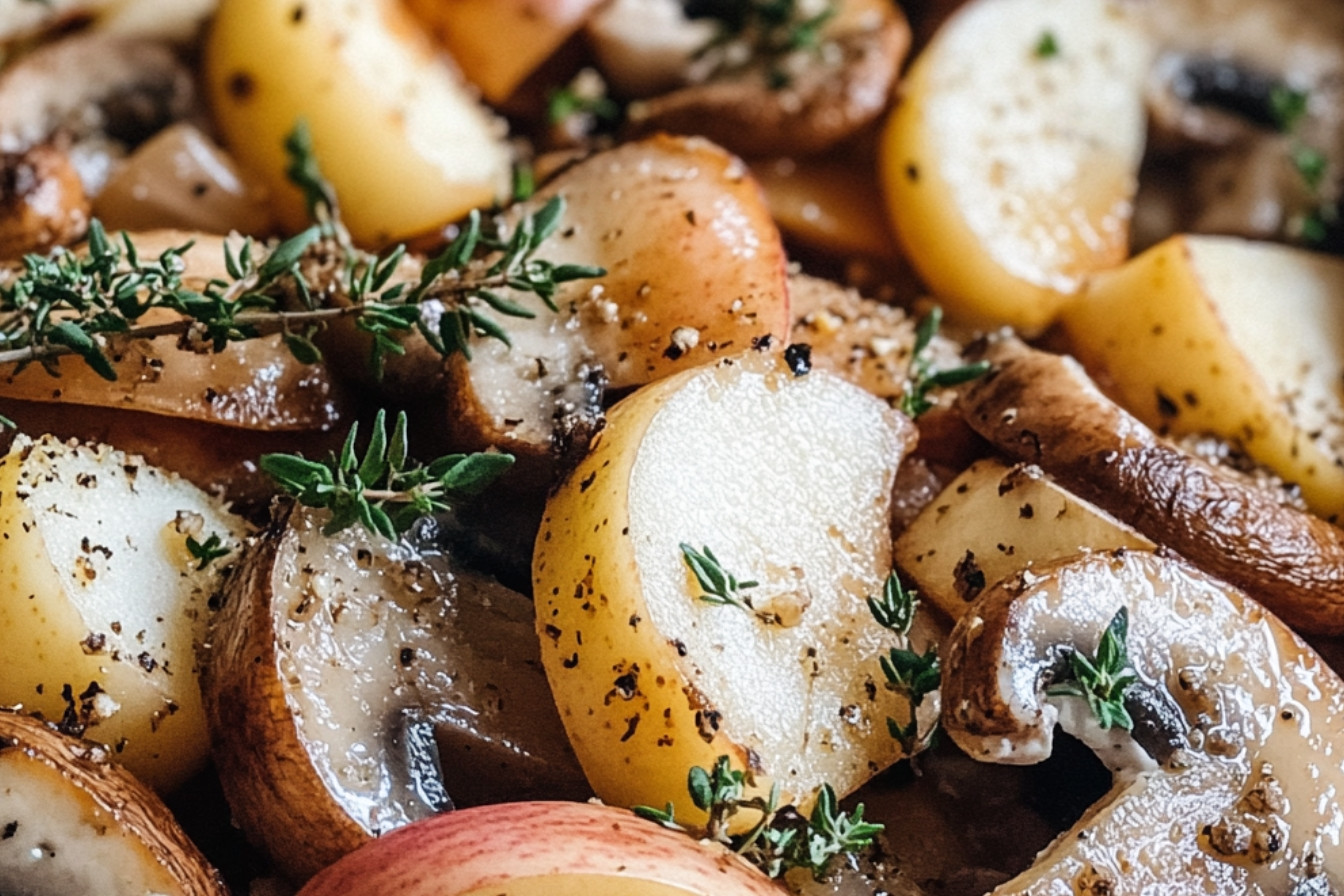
1257,327
1010,172
787,479
104,606
340,670
401,138
995,520
76,822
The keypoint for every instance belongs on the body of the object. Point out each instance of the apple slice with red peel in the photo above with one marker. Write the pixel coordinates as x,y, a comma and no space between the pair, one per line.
540,849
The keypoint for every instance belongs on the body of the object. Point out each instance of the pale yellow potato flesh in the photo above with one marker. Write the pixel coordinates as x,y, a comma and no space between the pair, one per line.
995,520
1244,340
75,822
91,592
788,481
401,139
1010,173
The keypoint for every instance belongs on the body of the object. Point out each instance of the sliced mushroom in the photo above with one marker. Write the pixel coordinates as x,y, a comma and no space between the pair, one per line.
42,201
72,821
105,93
1042,409
1230,787
694,269
801,102
355,685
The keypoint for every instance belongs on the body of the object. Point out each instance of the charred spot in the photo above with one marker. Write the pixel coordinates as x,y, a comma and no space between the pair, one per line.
968,577
799,358
296,14
1166,406
912,172
707,722
680,647
552,632
630,725
587,481
571,662
147,662
242,86
1026,512
407,656
9,830
626,686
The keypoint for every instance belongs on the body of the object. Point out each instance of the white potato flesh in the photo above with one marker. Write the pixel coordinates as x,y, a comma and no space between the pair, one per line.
98,587
73,822
1259,329
1010,171
788,481
995,520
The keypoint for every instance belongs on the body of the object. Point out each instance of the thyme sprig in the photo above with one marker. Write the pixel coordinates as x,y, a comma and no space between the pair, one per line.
206,552
909,673
921,378
1103,679
384,490
720,587
85,304
768,30
781,839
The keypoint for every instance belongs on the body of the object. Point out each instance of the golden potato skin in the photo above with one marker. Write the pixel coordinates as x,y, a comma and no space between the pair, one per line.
403,142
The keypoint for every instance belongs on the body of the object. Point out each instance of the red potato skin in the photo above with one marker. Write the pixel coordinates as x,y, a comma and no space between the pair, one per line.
1041,408
472,849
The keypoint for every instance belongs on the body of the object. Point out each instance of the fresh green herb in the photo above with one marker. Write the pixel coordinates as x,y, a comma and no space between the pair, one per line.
911,674
781,839
1288,106
1103,679
208,551
586,96
1048,45
384,491
80,304
922,378
720,586
1310,164
769,30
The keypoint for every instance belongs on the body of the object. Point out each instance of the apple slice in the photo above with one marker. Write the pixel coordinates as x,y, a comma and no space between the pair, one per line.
1257,327
342,668
1010,162
785,478
540,849
73,821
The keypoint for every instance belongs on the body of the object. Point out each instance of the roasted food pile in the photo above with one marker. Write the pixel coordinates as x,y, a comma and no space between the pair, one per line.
637,447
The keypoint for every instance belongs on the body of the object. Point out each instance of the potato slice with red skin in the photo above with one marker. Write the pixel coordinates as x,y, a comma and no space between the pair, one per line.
788,480
342,667
695,269
76,822
540,849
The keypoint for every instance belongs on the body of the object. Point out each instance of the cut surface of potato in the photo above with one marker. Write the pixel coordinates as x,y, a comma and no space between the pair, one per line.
102,602
1259,330
344,667
995,520
785,479
1010,162
401,139
75,822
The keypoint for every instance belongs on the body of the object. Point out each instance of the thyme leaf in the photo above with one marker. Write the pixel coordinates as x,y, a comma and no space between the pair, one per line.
720,587
382,490
921,378
781,839
911,674
208,551
1103,679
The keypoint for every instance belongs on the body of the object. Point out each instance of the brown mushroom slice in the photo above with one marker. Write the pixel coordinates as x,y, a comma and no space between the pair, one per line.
695,268
107,93
804,103
342,668
1042,409
1229,783
42,201
255,384
72,821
